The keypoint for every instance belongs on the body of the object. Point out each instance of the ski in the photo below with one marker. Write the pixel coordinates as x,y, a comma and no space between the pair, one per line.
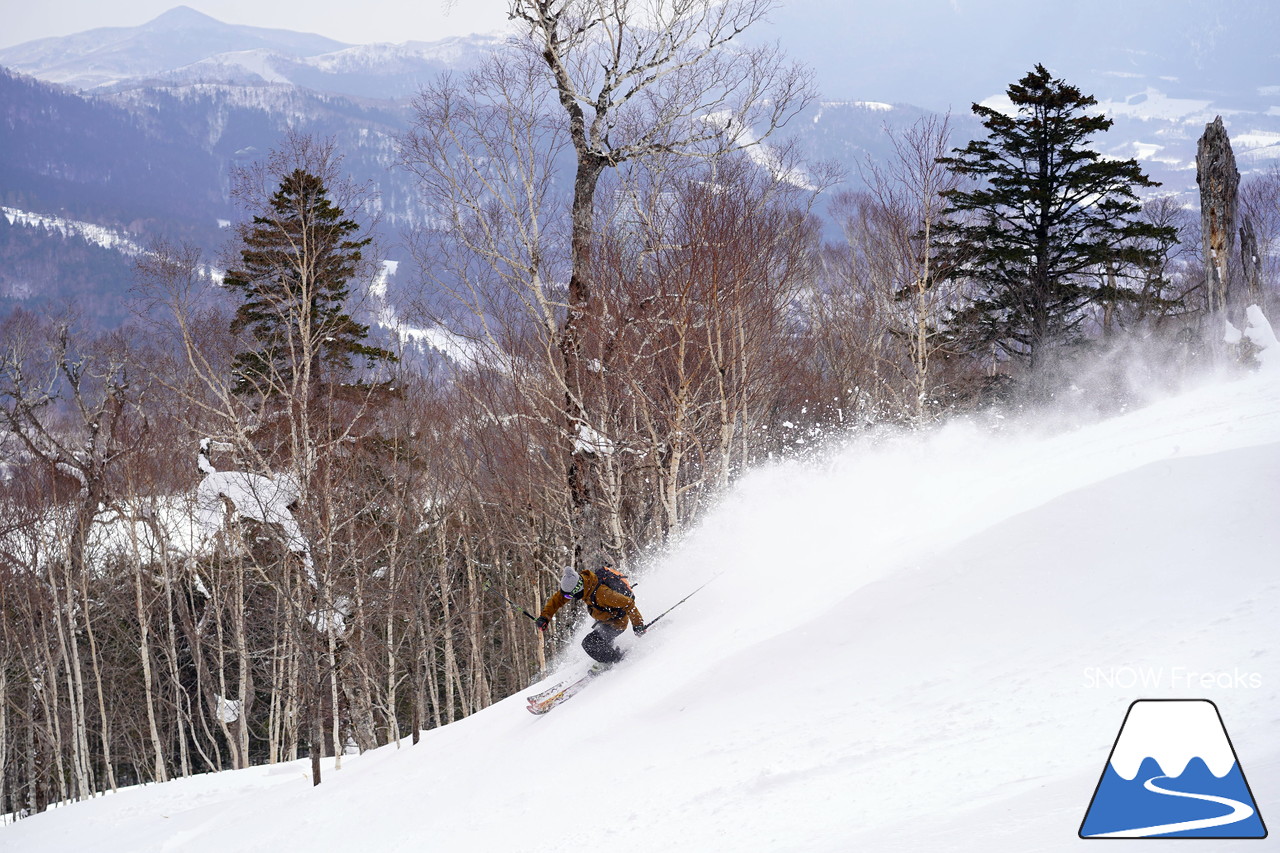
549,692
541,703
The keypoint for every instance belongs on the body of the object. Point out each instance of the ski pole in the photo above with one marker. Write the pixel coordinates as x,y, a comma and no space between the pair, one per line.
655,619
514,606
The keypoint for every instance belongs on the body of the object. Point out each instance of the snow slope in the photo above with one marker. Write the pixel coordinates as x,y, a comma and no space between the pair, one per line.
95,234
918,643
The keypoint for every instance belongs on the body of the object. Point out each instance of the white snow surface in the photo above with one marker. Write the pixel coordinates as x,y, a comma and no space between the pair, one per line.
1258,330
260,62
912,646
264,499
459,349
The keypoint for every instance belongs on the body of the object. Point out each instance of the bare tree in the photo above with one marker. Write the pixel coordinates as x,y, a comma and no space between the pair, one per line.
882,315
1260,220
697,273
1219,182
635,81
908,195
1170,282
75,410
286,383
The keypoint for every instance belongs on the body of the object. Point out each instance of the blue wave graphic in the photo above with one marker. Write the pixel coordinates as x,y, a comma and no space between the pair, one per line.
1120,805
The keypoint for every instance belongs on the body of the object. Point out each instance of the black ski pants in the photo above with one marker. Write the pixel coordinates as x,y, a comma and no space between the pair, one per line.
599,643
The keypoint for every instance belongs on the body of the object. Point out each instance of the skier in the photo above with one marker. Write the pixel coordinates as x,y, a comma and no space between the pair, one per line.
609,601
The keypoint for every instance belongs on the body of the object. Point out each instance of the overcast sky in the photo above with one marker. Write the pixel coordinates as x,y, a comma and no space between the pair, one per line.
359,22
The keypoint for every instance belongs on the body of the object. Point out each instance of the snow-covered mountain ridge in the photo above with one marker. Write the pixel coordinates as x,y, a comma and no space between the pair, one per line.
894,658
209,96
183,46
364,71
176,38
107,238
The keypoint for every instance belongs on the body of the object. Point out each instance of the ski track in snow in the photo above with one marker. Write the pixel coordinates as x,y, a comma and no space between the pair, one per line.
1239,811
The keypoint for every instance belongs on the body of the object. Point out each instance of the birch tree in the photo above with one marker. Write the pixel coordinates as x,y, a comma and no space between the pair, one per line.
631,80
898,228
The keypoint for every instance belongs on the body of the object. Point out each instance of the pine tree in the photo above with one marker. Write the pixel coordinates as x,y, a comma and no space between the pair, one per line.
294,281
1050,229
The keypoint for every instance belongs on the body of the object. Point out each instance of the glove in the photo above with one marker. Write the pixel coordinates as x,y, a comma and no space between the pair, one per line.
640,629
541,623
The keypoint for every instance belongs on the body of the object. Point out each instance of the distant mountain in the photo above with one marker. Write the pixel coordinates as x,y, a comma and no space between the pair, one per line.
167,110
155,163
151,156
1161,68
54,266
69,153
183,47
177,38
77,170
383,71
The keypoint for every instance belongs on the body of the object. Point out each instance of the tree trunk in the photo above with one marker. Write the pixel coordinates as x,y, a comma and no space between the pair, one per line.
446,628
1250,262
393,663
335,694
69,651
581,476
5,806
316,738
1219,181
158,771
181,702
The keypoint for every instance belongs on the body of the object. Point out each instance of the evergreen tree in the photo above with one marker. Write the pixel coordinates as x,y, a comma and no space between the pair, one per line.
1051,226
294,281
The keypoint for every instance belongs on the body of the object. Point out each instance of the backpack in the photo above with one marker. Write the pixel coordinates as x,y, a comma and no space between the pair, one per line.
616,582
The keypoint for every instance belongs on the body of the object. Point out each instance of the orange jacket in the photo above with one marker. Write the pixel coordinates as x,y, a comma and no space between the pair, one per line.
604,604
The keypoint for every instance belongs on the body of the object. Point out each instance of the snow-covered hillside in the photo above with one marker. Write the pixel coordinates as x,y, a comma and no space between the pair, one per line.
98,235
179,37
382,71
917,643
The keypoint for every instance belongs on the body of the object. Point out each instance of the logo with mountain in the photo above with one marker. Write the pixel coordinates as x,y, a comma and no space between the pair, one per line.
1173,773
